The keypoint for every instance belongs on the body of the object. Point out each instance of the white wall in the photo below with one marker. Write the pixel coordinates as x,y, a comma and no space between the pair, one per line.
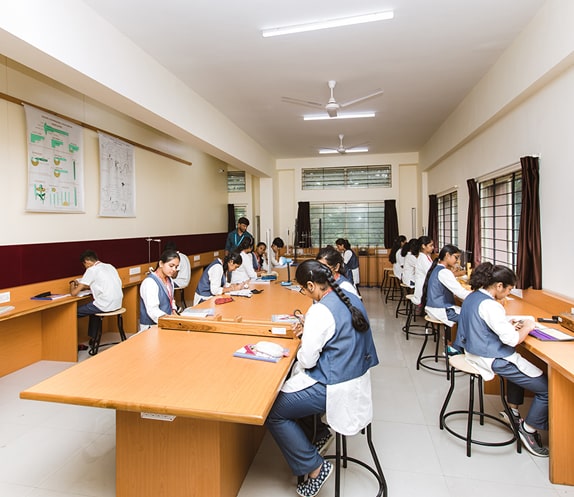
539,122
171,198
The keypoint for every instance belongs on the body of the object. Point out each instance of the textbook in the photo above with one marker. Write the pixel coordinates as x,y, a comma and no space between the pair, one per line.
198,313
544,333
284,318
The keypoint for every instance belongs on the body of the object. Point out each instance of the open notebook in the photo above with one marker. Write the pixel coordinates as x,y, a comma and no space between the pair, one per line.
544,332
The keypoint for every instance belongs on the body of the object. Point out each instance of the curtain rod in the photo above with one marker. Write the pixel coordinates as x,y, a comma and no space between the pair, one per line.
19,101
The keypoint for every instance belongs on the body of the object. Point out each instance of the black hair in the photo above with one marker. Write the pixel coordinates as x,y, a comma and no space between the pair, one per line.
397,245
88,255
243,220
278,242
344,242
422,240
487,274
262,243
234,257
408,247
166,256
332,256
446,250
322,275
245,243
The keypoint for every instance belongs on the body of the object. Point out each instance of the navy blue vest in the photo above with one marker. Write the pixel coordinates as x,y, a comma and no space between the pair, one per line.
474,335
349,353
164,301
438,295
204,287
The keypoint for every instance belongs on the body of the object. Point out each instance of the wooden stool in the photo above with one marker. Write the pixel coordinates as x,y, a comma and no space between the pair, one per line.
458,363
385,281
95,342
412,317
433,329
344,459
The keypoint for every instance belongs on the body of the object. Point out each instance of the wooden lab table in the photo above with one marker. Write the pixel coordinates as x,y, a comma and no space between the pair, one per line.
219,404
559,357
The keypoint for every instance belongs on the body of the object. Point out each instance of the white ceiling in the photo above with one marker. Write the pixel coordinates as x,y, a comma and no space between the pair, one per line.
426,60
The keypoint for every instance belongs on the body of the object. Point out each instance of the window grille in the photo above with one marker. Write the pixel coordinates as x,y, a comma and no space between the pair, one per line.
338,178
448,219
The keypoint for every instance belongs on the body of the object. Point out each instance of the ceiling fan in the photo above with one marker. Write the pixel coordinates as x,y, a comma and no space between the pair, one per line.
341,149
332,106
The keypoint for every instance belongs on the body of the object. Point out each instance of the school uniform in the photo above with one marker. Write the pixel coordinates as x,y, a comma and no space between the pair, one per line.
441,290
211,283
156,300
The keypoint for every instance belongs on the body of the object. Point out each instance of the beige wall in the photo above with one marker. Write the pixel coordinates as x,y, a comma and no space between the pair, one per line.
539,120
171,198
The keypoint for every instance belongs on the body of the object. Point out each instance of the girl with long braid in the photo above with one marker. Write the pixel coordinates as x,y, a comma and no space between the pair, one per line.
331,375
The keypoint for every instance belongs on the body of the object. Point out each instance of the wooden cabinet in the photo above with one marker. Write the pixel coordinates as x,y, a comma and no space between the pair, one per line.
372,265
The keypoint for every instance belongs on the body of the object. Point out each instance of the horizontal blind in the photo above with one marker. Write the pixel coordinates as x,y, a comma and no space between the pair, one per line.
235,181
346,177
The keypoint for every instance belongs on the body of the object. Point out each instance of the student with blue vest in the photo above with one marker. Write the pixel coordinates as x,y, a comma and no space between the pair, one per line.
213,281
331,375
489,340
350,259
333,259
441,287
156,290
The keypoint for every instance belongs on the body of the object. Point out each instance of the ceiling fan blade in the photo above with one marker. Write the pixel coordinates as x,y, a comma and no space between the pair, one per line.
328,151
360,99
355,150
299,101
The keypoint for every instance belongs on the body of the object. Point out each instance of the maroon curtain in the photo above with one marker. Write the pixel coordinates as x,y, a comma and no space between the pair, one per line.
433,221
529,262
303,231
473,246
230,217
391,225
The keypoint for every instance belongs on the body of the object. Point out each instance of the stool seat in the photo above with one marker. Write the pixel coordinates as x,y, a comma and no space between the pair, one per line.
460,364
121,310
94,344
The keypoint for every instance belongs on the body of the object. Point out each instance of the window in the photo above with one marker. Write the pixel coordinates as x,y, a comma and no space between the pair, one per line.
240,211
346,177
500,204
361,224
448,219
235,181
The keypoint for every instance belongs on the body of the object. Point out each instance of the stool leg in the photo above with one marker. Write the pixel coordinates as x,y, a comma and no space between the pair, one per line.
422,351
437,334
337,465
121,327
470,415
481,400
400,302
407,325
382,481
446,400
95,342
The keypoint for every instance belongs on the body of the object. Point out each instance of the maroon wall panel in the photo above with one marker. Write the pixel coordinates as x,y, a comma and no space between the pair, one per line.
24,264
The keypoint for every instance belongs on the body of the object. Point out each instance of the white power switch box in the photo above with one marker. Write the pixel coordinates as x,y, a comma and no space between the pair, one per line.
4,297
135,270
216,254
157,417
196,258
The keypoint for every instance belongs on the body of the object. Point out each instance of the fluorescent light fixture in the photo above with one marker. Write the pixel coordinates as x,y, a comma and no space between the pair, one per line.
330,23
348,151
348,115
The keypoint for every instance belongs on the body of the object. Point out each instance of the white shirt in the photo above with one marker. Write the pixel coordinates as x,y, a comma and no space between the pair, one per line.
245,272
349,404
495,317
424,263
448,279
215,275
398,266
184,272
105,285
409,266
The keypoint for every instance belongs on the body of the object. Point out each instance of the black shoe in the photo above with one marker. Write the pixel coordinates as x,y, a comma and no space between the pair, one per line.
311,486
532,442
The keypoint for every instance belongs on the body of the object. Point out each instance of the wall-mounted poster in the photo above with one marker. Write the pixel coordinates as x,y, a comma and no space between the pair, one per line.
55,163
117,177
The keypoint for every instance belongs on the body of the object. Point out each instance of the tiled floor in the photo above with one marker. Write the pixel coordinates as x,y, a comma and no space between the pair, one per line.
53,450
